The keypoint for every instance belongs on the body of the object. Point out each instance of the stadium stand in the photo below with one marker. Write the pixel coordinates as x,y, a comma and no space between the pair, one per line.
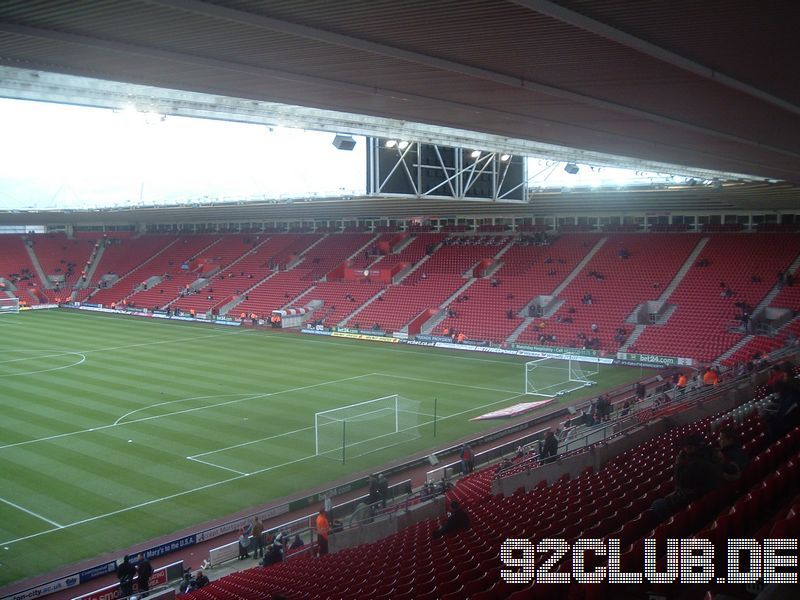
340,298
273,293
121,258
705,313
16,265
500,275
62,257
613,502
169,265
524,274
615,287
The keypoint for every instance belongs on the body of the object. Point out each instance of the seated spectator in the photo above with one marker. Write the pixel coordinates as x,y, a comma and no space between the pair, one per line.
698,470
735,458
297,542
188,583
457,519
626,407
201,580
273,554
783,413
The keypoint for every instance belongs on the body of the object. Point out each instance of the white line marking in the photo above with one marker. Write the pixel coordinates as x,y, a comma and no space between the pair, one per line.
80,362
31,513
214,465
155,501
133,412
272,437
252,397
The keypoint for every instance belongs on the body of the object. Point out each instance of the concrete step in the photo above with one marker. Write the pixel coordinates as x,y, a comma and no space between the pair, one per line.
579,267
687,264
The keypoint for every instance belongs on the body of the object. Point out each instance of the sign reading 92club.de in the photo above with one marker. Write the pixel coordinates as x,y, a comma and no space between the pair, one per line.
691,560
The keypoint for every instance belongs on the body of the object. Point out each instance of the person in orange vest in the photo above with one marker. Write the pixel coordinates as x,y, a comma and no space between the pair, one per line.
710,377
242,317
681,381
323,530
113,306
461,337
254,318
193,312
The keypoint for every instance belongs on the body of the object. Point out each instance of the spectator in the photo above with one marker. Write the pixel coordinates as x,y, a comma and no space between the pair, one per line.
244,545
201,580
188,584
467,459
144,570
735,458
323,531
373,490
273,553
710,377
457,519
383,489
783,413
125,573
698,470
549,448
258,538
297,542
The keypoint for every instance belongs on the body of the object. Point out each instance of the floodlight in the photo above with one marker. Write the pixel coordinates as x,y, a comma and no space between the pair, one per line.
505,157
475,154
390,143
403,145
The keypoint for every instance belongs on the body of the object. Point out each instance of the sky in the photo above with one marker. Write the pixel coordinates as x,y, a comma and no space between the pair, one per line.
61,156
55,156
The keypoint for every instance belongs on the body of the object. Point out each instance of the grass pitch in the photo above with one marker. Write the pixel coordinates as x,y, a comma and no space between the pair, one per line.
116,430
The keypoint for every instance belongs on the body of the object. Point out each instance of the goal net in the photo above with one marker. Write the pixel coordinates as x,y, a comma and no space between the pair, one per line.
552,377
9,306
358,429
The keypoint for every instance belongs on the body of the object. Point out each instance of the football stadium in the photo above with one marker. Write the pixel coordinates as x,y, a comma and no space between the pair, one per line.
399,300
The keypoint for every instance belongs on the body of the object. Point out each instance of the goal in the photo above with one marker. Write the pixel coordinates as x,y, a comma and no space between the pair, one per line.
9,306
556,377
358,429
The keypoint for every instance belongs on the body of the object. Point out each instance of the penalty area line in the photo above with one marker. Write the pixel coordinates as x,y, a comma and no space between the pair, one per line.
210,464
154,501
31,513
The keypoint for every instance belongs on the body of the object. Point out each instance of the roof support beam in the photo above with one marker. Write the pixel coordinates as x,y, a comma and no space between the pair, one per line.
570,17
268,23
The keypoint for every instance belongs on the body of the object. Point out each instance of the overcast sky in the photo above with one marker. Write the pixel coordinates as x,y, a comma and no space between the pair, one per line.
58,156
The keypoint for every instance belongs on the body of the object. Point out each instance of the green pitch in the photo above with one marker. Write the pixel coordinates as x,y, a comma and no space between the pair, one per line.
117,430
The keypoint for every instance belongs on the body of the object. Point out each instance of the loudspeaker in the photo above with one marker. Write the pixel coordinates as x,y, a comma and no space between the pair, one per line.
344,142
433,460
571,168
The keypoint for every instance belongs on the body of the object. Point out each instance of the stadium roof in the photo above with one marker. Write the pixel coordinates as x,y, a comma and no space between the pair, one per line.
707,85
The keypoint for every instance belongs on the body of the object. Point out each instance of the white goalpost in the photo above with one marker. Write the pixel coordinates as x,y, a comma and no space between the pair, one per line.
556,377
9,306
364,427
